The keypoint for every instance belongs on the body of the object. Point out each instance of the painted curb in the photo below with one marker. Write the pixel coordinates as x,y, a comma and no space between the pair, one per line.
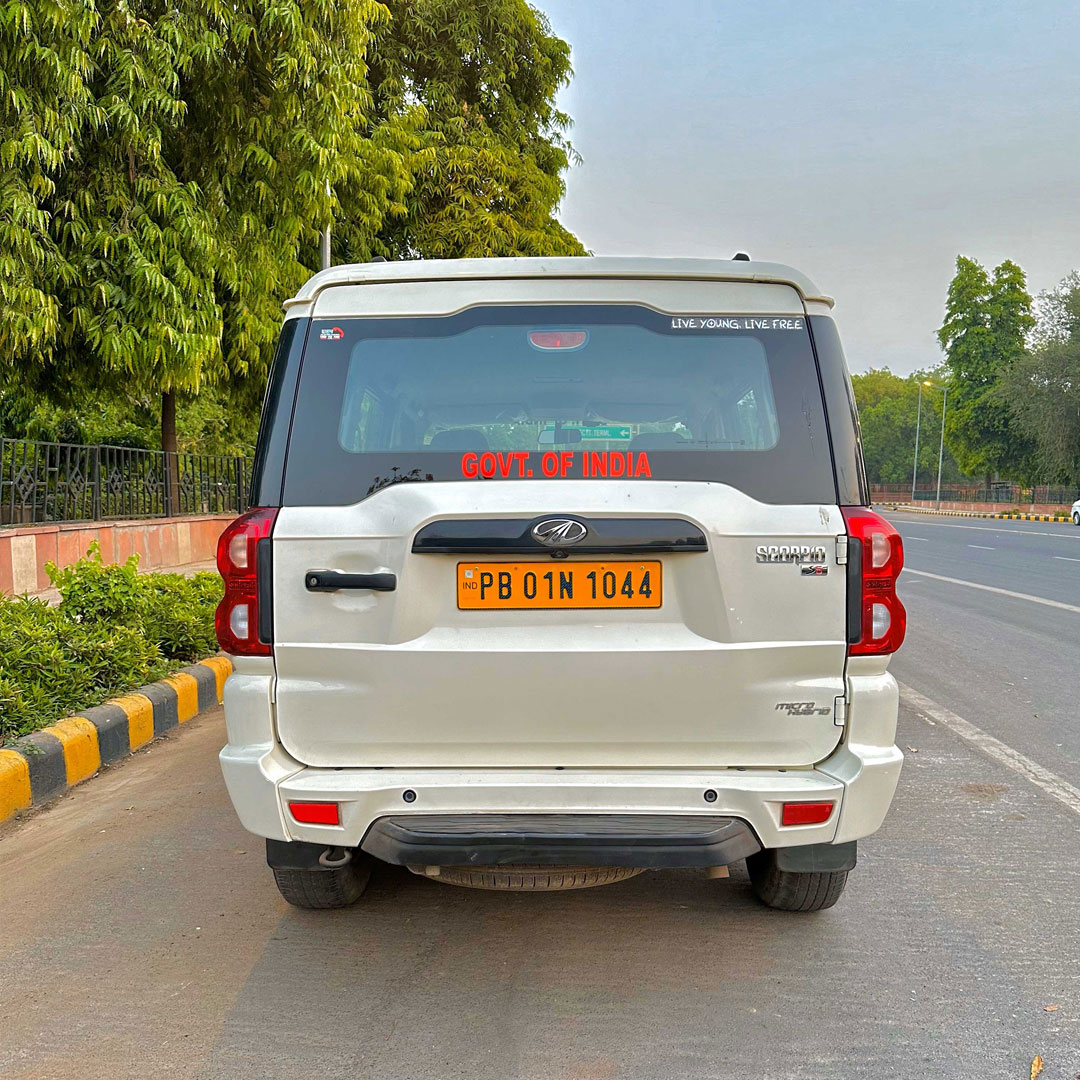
38,767
903,508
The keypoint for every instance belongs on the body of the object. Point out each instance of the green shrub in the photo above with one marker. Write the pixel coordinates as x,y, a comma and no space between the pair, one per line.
114,629
179,613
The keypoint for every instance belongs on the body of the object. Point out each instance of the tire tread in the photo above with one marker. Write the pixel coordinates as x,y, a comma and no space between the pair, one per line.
786,890
324,889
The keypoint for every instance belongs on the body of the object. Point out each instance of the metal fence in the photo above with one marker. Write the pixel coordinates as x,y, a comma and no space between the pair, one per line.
54,482
997,492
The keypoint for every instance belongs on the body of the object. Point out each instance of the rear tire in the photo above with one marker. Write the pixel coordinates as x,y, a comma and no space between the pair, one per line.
534,878
786,890
322,889
1076,518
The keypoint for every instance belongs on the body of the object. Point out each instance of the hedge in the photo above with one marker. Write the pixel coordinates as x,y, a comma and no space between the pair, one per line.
113,630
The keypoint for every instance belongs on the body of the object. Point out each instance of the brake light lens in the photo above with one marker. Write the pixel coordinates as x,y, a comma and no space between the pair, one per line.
557,339
877,619
805,813
315,813
237,618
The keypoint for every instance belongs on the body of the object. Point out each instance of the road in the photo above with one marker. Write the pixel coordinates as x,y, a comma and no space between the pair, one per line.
140,934
1009,664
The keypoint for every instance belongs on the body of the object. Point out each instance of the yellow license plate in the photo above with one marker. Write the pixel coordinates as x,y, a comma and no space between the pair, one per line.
537,585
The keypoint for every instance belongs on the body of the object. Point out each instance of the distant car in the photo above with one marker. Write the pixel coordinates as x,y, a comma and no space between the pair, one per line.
1076,512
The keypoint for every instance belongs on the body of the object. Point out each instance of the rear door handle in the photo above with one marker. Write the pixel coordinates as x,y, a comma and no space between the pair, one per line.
333,580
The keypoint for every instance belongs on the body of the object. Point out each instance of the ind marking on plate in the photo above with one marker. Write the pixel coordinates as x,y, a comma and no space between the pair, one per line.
536,586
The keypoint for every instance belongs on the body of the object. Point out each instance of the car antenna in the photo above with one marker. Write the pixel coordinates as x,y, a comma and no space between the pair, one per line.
740,256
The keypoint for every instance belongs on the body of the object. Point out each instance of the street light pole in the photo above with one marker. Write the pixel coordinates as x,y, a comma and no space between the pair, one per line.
941,447
324,242
918,422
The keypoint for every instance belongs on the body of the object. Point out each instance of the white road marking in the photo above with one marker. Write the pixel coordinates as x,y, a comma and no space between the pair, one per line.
1061,535
981,547
1064,558
995,589
1042,778
921,539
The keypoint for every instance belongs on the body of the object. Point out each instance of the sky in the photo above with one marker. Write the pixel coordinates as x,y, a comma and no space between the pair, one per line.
867,144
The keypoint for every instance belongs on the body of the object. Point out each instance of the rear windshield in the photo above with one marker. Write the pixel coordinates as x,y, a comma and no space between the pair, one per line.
575,392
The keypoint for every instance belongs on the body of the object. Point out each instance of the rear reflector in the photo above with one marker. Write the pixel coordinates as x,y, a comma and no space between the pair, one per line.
805,813
315,813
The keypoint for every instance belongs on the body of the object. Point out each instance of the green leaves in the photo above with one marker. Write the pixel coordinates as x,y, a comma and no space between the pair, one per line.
1042,389
166,169
113,630
986,319
479,82
888,415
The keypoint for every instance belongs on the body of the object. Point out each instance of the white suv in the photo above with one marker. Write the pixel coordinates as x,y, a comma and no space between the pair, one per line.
559,570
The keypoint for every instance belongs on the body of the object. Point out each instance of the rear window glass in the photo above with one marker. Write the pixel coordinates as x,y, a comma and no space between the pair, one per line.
575,392
512,388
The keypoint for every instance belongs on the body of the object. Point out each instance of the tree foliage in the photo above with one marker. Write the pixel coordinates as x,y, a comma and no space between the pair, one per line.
1042,389
986,320
888,414
490,153
168,166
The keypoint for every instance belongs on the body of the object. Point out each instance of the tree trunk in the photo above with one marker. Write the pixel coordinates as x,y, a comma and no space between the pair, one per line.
168,445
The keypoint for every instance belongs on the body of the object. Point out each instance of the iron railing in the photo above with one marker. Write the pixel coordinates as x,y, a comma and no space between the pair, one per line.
997,492
57,482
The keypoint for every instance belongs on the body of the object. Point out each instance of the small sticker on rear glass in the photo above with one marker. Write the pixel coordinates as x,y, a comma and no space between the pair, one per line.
737,322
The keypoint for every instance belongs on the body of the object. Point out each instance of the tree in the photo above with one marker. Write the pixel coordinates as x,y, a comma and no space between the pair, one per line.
1056,313
168,166
486,169
888,413
986,319
1042,389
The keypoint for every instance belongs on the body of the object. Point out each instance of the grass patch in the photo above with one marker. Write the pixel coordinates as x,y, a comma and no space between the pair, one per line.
113,630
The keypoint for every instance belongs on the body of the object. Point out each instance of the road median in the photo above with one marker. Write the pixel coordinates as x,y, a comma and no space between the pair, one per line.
38,767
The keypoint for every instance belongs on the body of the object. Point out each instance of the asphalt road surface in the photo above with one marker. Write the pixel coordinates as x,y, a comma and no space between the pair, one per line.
141,936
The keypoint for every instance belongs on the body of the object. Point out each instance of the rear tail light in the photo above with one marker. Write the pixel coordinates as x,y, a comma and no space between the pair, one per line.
315,813
243,620
805,813
877,620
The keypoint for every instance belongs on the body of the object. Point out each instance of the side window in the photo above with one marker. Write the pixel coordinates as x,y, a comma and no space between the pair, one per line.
843,417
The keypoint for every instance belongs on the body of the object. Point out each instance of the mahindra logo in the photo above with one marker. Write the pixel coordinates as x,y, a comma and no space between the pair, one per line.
559,532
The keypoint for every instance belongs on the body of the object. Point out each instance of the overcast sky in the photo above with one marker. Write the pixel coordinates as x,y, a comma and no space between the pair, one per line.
865,143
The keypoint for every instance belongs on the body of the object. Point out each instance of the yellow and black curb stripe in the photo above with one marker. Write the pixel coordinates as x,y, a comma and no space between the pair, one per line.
41,766
1065,518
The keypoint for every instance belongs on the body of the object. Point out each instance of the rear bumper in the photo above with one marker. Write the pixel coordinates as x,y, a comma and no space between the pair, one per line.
860,781
646,840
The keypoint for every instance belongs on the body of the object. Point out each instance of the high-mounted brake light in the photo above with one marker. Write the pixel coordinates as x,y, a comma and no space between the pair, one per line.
243,618
557,339
877,620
